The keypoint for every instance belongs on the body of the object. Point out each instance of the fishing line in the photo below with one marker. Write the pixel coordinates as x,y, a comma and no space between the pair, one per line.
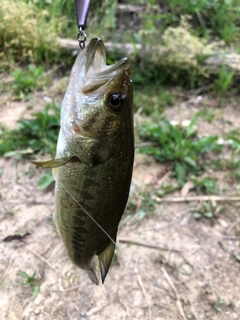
88,214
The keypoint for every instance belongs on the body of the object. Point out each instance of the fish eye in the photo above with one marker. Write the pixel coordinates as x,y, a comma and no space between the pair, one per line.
116,101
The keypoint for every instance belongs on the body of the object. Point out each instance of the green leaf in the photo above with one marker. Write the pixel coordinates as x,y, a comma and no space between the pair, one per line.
45,181
36,290
197,215
37,134
237,257
180,172
23,274
208,214
190,127
190,161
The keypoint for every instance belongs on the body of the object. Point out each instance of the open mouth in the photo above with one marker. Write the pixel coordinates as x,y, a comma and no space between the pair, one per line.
91,70
95,62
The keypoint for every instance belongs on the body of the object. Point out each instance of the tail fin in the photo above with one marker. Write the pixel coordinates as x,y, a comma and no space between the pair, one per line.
105,258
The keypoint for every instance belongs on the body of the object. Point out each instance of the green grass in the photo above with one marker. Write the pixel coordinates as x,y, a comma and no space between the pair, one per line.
29,30
223,81
25,82
206,210
33,137
27,34
208,18
140,206
204,185
152,100
179,146
46,180
186,33
30,281
192,157
38,135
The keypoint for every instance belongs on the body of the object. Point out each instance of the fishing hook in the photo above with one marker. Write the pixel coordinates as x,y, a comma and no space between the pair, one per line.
82,8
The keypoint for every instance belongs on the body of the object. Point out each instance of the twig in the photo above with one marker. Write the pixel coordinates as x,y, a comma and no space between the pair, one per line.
45,314
53,70
130,241
234,238
164,178
130,8
198,198
69,289
97,309
126,308
139,280
146,144
214,63
193,311
233,225
139,202
33,201
178,301
111,46
41,258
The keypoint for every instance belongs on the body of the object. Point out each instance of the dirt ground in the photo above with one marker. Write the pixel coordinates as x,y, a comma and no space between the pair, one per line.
170,266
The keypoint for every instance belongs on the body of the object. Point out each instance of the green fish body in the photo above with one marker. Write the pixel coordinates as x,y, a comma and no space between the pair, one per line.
95,154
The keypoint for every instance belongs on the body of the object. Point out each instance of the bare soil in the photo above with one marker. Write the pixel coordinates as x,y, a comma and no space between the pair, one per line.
168,266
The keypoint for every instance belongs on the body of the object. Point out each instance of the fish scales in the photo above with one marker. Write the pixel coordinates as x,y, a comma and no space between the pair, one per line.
94,159
74,228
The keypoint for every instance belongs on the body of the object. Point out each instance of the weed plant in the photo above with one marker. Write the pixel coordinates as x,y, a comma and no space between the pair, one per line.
26,33
139,207
223,81
178,145
30,281
26,82
152,100
209,19
205,210
33,136
185,33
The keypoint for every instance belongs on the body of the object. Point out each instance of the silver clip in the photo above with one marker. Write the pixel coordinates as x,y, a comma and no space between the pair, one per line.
81,37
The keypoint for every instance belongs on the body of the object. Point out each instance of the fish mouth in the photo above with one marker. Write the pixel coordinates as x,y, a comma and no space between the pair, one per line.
94,65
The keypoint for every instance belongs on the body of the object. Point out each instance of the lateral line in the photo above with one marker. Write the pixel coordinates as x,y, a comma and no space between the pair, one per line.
88,214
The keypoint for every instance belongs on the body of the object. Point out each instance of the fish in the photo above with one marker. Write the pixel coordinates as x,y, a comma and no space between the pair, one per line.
94,158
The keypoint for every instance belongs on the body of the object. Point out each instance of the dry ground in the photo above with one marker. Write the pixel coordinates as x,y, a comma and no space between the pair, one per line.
170,266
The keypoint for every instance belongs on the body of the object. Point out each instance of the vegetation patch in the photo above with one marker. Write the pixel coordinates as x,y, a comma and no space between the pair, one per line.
178,145
38,135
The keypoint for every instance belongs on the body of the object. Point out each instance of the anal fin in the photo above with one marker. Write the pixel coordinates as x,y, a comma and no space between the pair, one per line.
105,258
92,275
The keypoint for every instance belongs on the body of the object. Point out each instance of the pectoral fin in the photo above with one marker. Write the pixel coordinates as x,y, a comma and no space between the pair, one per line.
55,173
55,163
105,258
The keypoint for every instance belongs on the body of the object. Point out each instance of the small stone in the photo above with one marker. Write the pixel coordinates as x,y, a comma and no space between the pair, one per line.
37,311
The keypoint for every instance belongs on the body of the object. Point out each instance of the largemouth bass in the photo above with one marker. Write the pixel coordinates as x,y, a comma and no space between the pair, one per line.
94,159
